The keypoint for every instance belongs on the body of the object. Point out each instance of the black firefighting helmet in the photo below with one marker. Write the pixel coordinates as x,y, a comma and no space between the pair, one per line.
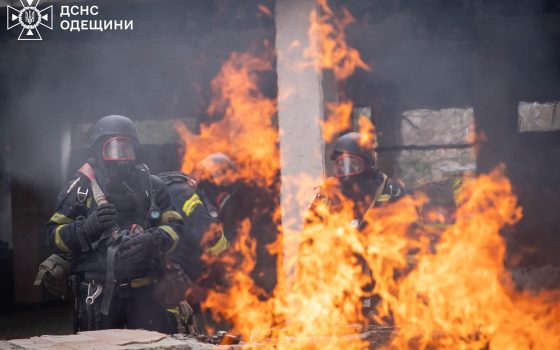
113,125
352,143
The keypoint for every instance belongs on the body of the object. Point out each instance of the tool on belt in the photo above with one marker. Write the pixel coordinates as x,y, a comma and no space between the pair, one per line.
93,294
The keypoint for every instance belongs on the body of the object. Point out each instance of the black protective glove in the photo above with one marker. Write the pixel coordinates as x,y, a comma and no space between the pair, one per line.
102,218
135,249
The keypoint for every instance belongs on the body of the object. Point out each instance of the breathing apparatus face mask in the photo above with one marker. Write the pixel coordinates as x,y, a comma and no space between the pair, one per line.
347,165
118,156
353,175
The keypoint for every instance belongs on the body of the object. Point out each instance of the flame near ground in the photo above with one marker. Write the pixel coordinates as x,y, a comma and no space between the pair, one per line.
461,296
454,294
458,297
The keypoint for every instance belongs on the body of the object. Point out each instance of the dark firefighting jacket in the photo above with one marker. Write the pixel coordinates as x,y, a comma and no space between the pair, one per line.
132,201
205,233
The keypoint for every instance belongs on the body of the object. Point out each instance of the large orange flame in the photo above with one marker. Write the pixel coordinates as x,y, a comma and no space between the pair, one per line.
459,296
246,131
244,304
329,51
462,297
339,119
453,294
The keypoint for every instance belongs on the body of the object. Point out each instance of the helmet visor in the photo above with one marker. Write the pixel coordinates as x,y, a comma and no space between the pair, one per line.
348,165
118,148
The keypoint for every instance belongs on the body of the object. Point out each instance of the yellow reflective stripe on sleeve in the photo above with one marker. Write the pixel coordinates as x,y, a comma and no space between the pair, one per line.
384,198
58,239
170,215
220,246
60,219
191,203
170,231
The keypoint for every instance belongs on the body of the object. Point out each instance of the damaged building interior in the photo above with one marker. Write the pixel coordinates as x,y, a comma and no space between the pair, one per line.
453,87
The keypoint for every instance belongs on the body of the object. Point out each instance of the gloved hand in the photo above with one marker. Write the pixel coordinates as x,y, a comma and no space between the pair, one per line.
135,249
102,218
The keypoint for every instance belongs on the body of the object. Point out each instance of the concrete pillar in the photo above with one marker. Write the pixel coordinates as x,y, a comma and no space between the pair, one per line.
300,107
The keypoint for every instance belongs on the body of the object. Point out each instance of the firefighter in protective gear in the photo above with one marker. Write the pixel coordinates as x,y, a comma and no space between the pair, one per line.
217,183
116,221
357,178
233,201
200,199
358,181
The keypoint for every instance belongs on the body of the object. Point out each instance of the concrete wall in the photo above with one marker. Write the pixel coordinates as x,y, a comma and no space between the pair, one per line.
441,130
535,116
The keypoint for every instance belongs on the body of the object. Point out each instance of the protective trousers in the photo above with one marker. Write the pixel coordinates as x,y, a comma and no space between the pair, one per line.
133,308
